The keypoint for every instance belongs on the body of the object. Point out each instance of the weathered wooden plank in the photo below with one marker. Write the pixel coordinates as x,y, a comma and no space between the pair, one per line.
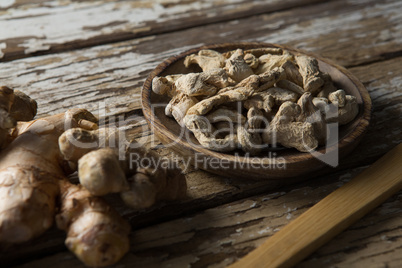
84,80
383,134
206,190
317,25
33,27
218,236
373,241
115,73
348,34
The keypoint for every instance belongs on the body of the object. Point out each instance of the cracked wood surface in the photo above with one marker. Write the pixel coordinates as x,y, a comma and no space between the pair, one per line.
206,190
49,26
218,236
117,71
203,230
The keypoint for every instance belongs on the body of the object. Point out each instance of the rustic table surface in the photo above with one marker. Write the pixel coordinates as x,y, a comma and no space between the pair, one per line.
97,54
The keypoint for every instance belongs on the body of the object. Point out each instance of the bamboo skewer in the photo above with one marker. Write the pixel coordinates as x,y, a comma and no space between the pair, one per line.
330,216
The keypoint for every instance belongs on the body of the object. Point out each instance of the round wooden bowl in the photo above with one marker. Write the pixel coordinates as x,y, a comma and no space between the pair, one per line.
273,164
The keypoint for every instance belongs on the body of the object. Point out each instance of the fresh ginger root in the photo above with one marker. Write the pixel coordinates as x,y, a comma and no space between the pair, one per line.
32,177
140,186
33,182
95,232
14,106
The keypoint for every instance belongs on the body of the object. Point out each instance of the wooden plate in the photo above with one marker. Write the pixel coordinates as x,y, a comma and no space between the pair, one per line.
272,164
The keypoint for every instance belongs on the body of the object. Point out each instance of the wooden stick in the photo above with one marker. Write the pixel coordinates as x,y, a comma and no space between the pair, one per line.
330,216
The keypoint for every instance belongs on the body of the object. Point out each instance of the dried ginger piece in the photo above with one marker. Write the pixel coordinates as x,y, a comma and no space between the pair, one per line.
312,114
202,84
251,60
289,85
268,62
311,74
207,59
347,107
178,107
286,130
327,87
205,133
292,73
240,92
237,68
249,138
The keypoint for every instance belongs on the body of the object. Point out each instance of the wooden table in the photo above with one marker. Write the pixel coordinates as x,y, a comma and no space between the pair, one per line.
97,54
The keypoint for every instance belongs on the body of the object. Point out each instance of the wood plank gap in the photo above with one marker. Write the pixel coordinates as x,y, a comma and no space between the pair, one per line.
159,29
383,57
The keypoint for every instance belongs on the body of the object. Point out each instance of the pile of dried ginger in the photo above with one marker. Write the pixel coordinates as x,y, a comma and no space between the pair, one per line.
256,98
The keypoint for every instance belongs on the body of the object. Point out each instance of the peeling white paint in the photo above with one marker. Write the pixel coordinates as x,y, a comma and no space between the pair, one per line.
224,34
346,21
273,26
2,46
383,92
385,238
34,45
253,205
273,195
83,20
320,27
83,83
6,3
264,231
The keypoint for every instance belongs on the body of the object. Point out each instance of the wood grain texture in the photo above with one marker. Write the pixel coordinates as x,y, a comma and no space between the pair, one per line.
116,72
206,190
35,27
218,236
301,26
330,216
87,79
350,34
364,35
